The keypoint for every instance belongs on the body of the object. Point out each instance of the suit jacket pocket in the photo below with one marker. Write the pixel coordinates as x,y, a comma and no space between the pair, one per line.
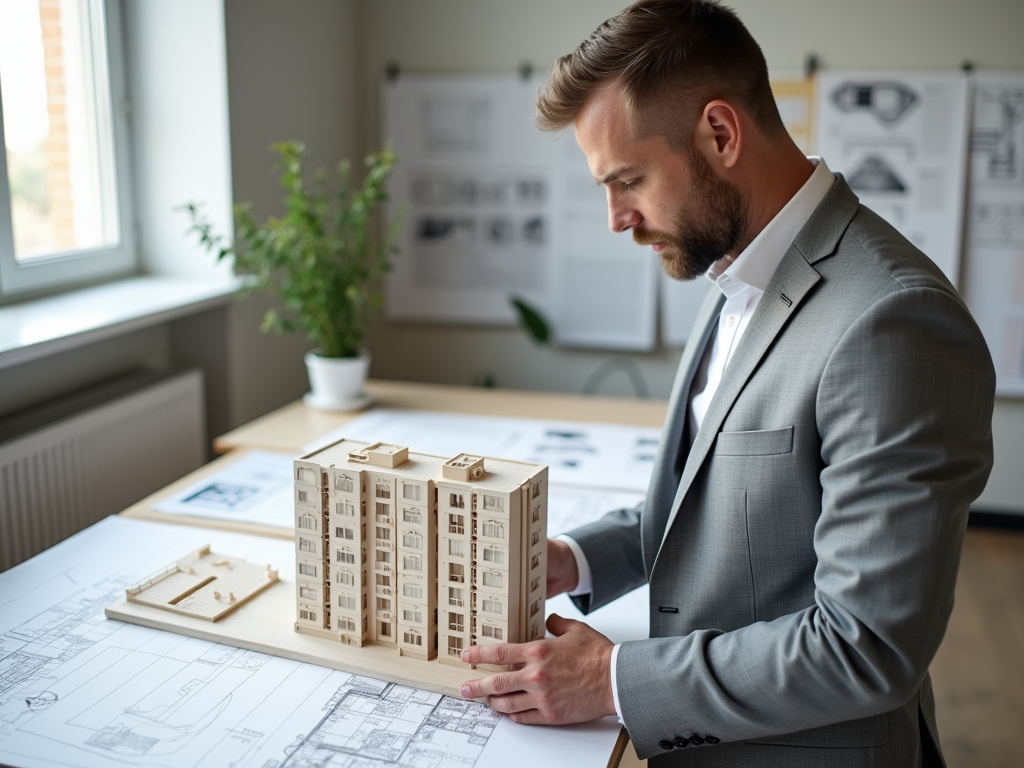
866,732
761,442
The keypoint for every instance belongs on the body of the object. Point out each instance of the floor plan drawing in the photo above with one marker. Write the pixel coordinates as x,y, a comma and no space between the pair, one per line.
77,689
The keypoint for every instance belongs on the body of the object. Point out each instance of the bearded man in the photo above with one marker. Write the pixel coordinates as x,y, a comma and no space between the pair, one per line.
828,429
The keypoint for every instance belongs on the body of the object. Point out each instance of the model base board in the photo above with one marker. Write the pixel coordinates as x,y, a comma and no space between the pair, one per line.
266,625
203,584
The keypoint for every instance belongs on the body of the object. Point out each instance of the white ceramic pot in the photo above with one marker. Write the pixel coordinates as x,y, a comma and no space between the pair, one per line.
336,383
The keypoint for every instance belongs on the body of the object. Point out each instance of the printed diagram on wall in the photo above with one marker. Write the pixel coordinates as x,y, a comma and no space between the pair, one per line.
994,269
900,142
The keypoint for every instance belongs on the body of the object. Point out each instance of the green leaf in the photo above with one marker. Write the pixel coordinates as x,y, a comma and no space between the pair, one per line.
532,321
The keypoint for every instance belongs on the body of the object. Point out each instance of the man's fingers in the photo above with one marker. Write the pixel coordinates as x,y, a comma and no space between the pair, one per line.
530,717
501,653
511,703
558,626
501,683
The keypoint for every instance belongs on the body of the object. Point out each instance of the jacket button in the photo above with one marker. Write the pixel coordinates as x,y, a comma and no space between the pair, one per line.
665,744
681,743
696,740
711,740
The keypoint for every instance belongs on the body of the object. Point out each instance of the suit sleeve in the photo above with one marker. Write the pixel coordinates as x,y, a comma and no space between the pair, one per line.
612,547
904,414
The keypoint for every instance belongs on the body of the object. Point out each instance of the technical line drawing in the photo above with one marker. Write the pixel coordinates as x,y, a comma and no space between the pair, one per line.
889,101
998,117
875,175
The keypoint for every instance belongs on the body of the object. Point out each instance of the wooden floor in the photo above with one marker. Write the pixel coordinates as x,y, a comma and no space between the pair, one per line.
978,673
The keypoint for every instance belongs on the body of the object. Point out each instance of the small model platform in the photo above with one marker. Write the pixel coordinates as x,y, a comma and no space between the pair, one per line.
203,584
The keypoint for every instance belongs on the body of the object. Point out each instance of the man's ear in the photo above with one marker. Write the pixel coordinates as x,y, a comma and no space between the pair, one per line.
719,134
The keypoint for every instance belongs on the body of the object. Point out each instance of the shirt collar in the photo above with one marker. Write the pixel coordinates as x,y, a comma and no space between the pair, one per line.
757,263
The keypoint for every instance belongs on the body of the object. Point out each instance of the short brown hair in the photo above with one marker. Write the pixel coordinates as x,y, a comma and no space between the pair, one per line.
670,58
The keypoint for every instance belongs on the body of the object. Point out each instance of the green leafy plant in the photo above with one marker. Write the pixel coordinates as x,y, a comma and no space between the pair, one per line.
320,258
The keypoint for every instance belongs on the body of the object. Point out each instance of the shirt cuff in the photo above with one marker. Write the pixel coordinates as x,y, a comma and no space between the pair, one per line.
615,687
585,585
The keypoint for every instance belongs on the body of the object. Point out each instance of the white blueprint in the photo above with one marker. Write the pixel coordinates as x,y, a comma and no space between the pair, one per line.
994,269
79,690
900,140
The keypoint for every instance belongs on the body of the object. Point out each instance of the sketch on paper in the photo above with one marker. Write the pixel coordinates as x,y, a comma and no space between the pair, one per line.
994,254
900,141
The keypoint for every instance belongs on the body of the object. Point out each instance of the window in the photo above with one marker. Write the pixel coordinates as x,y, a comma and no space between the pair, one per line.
490,605
412,638
456,573
346,578
307,615
65,199
456,622
303,497
536,490
493,579
455,500
455,597
493,503
411,540
383,509
307,545
456,524
535,584
411,614
344,533
412,590
489,631
412,563
307,522
345,508
348,602
456,548
385,629
307,592
412,516
454,646
343,483
536,513
383,604
383,580
305,475
493,530
346,556
534,538
410,492
384,534
307,570
347,624
492,555
535,607
382,556
534,562
383,489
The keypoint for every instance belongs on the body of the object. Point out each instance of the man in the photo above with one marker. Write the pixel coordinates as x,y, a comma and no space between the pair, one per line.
829,427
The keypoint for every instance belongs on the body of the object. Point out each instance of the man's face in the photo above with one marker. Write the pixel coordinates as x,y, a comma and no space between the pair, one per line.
673,202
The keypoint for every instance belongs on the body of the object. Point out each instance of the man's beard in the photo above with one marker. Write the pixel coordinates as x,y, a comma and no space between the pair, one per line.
709,225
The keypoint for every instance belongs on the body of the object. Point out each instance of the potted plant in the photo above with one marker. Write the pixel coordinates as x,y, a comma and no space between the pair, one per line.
320,260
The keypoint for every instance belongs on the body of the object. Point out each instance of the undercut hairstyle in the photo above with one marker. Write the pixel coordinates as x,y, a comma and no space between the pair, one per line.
669,59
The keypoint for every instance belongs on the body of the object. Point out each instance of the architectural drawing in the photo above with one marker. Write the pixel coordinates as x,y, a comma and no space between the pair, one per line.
998,133
410,550
875,175
888,101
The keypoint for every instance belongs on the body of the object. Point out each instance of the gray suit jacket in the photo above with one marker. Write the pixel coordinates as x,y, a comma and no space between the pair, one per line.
802,557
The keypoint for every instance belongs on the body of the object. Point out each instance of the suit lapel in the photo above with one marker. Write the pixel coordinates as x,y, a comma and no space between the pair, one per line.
792,280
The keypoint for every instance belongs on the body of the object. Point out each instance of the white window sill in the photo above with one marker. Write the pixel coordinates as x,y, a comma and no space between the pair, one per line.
43,327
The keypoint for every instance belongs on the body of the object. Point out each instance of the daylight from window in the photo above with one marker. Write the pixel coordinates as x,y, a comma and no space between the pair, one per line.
57,127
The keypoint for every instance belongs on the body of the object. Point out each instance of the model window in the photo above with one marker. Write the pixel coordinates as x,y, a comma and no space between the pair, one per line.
346,577
307,570
535,584
536,513
494,555
345,508
383,604
307,592
494,503
412,590
536,490
383,580
383,489
456,622
490,605
343,483
489,631
383,557
383,509
385,629
534,607
456,524
412,563
384,534
303,497
410,614
413,638
455,500
411,540
306,475
456,573
346,556
307,522
455,597
348,602
347,624
307,545
412,516
534,561
410,492
493,579
307,615
344,533
534,538
456,548
493,530
454,646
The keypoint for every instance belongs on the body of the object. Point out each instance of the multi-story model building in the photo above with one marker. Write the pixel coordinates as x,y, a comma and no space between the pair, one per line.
419,552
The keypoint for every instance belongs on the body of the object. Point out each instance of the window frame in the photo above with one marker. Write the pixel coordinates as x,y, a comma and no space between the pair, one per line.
65,270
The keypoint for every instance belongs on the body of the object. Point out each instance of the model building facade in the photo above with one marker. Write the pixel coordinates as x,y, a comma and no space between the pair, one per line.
427,554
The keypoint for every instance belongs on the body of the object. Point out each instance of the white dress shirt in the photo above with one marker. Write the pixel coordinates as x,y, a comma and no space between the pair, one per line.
742,280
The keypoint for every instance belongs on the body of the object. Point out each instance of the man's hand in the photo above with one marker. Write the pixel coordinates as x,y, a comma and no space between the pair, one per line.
563,575
566,679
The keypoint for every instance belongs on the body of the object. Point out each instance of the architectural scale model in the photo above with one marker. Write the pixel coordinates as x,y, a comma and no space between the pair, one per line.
425,554
203,584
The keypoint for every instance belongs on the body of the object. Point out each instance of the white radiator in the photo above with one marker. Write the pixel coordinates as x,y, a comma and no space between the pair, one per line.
68,463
